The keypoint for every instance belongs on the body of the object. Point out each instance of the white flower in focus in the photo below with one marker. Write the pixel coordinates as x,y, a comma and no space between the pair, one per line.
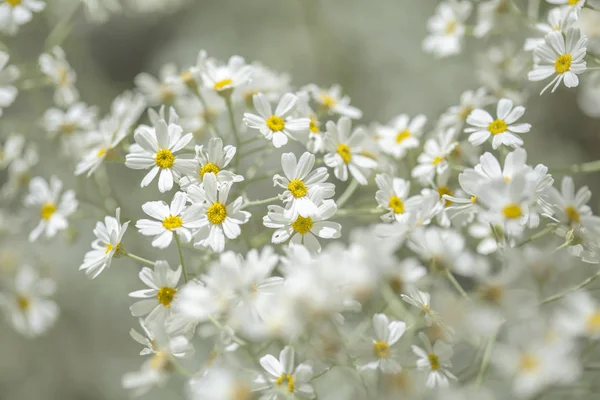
435,360
8,75
26,304
571,4
401,134
421,300
223,79
304,188
277,126
344,151
332,101
106,246
156,148
447,28
434,159
52,207
160,91
303,230
283,377
387,334
162,283
559,20
502,128
213,159
55,66
14,13
393,196
169,220
217,218
561,57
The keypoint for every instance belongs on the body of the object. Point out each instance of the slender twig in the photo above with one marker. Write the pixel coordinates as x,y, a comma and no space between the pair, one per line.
487,355
259,202
233,127
347,193
455,283
572,289
536,236
139,259
178,241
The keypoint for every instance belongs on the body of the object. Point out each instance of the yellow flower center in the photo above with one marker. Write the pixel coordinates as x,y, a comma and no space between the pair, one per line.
528,363
498,126
161,361
464,113
451,28
298,188
172,222
68,128
110,247
563,63
592,323
286,378
222,84
165,295
434,361
165,158
275,123
63,76
401,136
327,100
442,190
571,2
48,208
381,349
241,392
314,125
437,160
572,214
216,213
491,293
396,204
209,168
101,152
13,2
187,77
344,151
473,199
22,302
166,94
512,211
302,225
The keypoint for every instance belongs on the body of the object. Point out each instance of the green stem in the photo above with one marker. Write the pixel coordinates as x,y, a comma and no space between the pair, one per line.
139,259
260,202
358,211
455,283
536,236
178,241
214,130
572,289
588,167
347,193
233,127
61,30
220,326
487,355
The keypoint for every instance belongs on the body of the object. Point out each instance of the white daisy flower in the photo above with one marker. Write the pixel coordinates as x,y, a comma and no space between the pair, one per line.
55,66
53,208
278,126
344,151
283,377
219,383
76,119
393,196
404,276
11,149
304,188
435,360
213,159
569,207
106,246
303,230
421,300
27,305
502,128
162,283
580,316
217,218
169,220
332,101
560,56
456,116
387,334
8,75
316,142
434,159
14,13
271,83
223,79
447,28
160,91
559,20
156,148
401,134
196,115
19,172
572,4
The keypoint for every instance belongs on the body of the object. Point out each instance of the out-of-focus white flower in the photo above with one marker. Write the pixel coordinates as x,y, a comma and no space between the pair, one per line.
559,20
447,28
8,75
561,57
223,79
106,246
332,101
28,309
435,360
456,116
401,134
164,90
14,13
55,66
434,159
100,10
219,383
53,207
580,316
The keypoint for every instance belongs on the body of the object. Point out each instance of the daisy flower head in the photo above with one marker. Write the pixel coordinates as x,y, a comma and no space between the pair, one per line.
456,116
197,115
14,13
502,129
163,90
77,119
434,159
223,79
303,230
344,150
283,378
218,219
570,207
559,20
580,316
447,28
156,149
28,308
57,68
571,4
315,143
108,244
11,149
561,56
387,334
280,125
392,196
8,75
421,300
53,207
304,188
271,83
169,220
213,158
162,282
333,102
401,134
435,361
